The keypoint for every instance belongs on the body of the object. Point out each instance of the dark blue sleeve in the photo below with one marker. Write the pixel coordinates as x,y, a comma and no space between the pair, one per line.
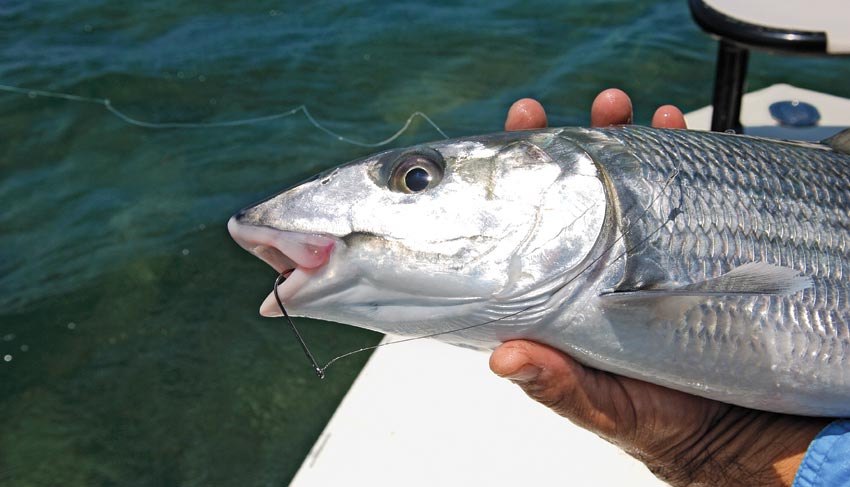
827,461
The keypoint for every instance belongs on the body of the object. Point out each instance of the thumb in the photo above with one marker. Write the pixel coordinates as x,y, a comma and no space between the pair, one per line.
558,382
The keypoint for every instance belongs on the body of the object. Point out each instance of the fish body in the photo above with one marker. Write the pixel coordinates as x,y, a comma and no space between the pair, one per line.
715,264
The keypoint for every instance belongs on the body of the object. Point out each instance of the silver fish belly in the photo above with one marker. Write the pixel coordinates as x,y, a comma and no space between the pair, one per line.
710,263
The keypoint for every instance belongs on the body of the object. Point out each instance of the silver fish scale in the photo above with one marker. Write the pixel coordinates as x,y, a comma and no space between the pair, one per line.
716,202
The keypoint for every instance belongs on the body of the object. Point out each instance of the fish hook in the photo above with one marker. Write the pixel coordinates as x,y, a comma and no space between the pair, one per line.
320,371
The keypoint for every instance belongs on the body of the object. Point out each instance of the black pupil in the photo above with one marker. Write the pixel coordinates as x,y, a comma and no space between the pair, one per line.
417,179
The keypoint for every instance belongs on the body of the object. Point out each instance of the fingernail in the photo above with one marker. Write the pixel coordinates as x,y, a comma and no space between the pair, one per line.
524,374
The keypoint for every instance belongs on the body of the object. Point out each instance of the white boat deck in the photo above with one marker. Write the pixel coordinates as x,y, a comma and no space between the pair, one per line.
424,413
755,116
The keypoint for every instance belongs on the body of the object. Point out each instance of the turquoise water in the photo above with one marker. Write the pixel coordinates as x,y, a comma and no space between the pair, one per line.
131,352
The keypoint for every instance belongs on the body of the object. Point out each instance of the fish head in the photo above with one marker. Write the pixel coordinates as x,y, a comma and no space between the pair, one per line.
432,237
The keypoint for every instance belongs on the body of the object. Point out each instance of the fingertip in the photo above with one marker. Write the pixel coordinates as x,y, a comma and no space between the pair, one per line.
668,116
525,114
611,107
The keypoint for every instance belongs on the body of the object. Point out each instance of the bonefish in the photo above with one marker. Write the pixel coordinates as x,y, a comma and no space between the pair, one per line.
715,264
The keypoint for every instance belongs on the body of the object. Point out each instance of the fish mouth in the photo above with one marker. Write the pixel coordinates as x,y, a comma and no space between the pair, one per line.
298,256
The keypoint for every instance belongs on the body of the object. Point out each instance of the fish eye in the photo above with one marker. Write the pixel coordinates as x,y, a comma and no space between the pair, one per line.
416,172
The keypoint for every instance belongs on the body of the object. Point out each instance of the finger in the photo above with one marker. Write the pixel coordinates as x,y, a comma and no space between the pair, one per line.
525,114
669,117
558,382
611,107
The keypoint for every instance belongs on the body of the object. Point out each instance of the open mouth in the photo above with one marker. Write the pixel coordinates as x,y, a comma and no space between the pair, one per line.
295,255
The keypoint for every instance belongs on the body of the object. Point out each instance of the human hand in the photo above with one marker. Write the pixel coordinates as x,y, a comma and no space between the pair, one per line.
683,439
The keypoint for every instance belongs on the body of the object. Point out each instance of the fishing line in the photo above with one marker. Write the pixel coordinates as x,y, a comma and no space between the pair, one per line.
106,103
320,371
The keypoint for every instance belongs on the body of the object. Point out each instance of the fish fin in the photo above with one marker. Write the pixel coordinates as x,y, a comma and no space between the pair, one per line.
641,270
754,278
839,142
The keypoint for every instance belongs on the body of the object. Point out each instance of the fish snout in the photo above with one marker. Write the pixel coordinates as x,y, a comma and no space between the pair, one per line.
298,256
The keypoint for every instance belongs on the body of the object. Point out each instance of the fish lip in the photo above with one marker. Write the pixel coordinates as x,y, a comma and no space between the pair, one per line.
296,279
273,257
283,250
296,255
